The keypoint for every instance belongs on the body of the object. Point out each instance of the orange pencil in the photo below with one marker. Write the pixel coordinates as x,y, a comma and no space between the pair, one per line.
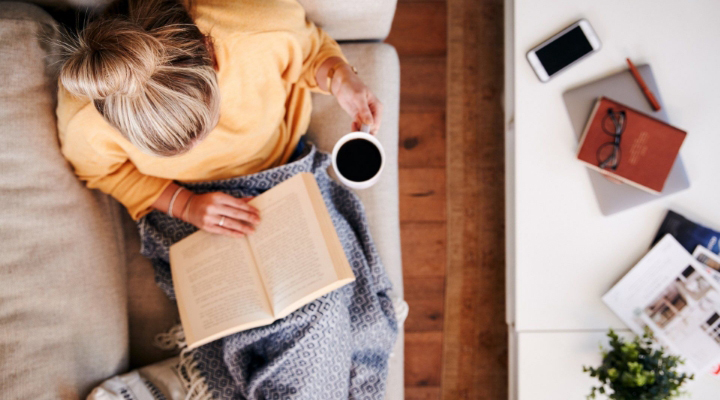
648,94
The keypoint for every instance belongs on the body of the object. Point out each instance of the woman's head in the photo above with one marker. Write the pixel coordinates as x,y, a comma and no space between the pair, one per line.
149,71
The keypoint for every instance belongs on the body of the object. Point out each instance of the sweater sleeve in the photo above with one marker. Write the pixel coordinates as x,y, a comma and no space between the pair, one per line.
101,163
321,47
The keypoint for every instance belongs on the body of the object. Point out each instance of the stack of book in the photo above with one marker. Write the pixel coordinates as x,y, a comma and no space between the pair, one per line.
622,139
629,146
675,292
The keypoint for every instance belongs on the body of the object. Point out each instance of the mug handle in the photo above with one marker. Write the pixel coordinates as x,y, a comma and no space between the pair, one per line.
365,128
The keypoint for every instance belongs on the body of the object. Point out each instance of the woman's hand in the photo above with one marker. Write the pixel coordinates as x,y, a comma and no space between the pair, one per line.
356,99
206,211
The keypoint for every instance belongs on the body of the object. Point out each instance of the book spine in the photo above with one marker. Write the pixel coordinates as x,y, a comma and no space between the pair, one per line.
620,178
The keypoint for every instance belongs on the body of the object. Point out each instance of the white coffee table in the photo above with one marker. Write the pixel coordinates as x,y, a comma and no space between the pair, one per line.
562,253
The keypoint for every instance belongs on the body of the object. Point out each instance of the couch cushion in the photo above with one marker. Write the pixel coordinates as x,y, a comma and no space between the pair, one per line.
378,65
149,310
352,19
342,19
63,315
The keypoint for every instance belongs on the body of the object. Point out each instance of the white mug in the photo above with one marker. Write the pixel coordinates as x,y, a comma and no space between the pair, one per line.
363,134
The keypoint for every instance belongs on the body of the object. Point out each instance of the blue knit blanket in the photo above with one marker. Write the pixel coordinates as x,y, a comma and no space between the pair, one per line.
336,347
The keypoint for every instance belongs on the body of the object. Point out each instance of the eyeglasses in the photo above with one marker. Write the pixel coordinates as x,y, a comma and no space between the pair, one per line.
608,155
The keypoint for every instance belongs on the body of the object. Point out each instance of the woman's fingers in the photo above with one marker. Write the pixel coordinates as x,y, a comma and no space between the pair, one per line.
240,204
368,111
359,102
237,226
240,215
208,210
376,108
221,230
363,114
230,226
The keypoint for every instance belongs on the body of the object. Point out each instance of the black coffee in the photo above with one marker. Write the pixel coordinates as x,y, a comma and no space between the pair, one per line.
358,160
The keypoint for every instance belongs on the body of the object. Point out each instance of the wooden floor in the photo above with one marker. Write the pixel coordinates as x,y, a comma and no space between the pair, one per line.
451,204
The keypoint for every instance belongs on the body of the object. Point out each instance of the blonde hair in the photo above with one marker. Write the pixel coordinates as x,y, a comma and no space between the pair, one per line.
149,72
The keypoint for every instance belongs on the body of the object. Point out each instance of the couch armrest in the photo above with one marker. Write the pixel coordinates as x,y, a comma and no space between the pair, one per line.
352,19
379,67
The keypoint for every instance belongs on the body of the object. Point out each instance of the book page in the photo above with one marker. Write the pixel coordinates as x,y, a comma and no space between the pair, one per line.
340,262
217,286
289,247
671,293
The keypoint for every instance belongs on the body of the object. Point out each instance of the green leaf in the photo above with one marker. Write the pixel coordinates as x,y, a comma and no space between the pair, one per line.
635,370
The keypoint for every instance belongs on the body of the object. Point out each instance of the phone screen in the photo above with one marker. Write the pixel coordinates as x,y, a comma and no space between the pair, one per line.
562,51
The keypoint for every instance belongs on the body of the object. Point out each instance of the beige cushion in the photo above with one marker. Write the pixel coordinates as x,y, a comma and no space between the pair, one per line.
378,65
63,315
352,19
149,309
342,19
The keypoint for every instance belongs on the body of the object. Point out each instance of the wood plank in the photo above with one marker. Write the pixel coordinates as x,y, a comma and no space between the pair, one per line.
423,249
422,139
475,333
422,393
423,358
422,86
425,297
426,20
419,1
422,194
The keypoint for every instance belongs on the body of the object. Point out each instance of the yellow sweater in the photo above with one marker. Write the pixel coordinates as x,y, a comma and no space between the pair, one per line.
267,54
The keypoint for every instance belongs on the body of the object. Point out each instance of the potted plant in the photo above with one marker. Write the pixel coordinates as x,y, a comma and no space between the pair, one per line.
637,370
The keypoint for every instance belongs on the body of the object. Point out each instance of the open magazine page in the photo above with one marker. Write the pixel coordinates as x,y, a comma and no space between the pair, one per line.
712,267
671,293
710,260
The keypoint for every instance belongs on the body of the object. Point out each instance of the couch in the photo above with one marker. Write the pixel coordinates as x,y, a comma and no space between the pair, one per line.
78,304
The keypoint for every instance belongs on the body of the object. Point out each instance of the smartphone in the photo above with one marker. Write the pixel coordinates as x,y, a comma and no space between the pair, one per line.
570,45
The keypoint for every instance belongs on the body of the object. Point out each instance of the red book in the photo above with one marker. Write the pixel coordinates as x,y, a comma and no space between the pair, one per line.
629,146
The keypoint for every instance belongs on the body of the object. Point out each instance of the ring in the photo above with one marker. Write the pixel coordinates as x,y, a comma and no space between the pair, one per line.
222,221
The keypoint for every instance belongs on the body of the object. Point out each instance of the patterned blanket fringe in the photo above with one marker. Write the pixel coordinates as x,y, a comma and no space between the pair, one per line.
401,311
188,372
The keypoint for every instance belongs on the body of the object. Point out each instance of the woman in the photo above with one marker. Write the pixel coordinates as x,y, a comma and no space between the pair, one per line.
175,111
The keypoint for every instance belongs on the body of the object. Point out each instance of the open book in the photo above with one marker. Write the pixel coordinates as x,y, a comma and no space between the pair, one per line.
225,285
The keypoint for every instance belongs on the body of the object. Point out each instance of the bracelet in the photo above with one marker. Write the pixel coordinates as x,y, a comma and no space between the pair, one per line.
331,73
172,200
187,208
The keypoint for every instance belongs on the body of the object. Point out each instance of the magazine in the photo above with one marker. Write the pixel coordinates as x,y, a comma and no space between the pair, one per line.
688,233
672,293
712,267
710,260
